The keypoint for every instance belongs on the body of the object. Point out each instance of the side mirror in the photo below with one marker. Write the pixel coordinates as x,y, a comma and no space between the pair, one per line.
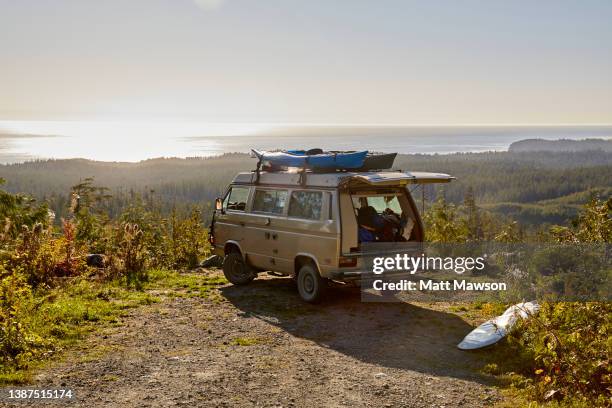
219,204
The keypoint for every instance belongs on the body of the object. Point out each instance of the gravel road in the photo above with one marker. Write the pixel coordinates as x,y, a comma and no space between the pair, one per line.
259,345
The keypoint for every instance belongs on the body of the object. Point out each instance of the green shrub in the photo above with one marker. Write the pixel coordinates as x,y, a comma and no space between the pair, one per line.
18,343
128,254
41,257
87,206
568,346
593,225
186,240
178,241
565,350
17,211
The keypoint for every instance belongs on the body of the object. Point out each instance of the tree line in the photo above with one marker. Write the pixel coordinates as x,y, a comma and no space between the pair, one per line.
531,187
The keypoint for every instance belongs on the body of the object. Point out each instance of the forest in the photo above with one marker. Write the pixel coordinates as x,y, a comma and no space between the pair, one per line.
533,188
563,145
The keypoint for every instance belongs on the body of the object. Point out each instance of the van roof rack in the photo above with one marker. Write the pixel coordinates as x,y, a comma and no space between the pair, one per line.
318,161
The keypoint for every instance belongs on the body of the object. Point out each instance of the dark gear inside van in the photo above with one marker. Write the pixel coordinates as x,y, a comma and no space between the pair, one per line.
380,218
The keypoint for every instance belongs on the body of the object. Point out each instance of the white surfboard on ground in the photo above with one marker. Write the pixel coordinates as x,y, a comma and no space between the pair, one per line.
492,331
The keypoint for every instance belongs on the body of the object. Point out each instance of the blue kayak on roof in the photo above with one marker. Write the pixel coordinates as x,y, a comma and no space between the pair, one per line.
349,160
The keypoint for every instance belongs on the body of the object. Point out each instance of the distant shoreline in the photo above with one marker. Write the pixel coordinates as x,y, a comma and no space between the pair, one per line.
522,146
134,144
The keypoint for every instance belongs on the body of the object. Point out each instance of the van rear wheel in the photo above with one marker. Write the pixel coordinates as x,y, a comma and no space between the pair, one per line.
311,285
236,270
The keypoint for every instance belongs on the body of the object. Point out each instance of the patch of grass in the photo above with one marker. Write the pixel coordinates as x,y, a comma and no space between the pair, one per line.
516,397
159,279
65,315
245,341
16,377
473,312
185,285
78,309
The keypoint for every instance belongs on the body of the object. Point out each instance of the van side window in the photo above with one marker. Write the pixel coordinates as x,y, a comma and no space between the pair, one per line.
236,199
270,201
306,204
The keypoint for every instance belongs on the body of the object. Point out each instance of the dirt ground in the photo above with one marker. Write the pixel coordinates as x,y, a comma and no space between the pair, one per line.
260,345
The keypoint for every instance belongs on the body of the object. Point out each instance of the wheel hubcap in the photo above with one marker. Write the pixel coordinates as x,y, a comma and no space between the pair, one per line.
308,283
238,270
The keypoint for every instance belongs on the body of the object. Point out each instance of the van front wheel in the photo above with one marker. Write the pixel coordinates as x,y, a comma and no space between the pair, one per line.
236,270
310,284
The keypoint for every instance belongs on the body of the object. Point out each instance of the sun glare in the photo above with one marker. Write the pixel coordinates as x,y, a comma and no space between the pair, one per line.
120,141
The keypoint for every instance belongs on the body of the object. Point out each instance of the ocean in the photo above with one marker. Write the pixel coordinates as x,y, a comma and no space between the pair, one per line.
134,141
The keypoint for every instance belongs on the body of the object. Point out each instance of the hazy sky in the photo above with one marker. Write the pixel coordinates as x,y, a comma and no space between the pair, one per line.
350,61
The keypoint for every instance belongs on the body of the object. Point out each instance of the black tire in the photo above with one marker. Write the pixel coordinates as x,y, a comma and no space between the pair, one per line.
311,286
236,270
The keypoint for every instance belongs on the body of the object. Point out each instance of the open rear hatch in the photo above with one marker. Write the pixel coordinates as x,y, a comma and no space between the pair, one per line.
382,184
396,178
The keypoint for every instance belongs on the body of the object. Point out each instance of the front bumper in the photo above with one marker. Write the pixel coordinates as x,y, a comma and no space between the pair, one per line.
347,276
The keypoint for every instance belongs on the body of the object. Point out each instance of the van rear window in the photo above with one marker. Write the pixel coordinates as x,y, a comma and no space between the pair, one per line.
270,201
306,204
379,202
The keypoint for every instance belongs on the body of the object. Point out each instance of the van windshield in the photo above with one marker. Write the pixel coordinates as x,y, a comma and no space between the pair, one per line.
381,217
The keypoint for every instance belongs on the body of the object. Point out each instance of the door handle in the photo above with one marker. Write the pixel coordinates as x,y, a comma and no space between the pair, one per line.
274,236
267,235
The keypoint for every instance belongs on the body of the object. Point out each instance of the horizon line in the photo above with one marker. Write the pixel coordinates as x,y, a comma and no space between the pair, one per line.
329,124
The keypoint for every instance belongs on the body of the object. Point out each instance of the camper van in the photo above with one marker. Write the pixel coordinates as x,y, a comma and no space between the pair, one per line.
313,226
